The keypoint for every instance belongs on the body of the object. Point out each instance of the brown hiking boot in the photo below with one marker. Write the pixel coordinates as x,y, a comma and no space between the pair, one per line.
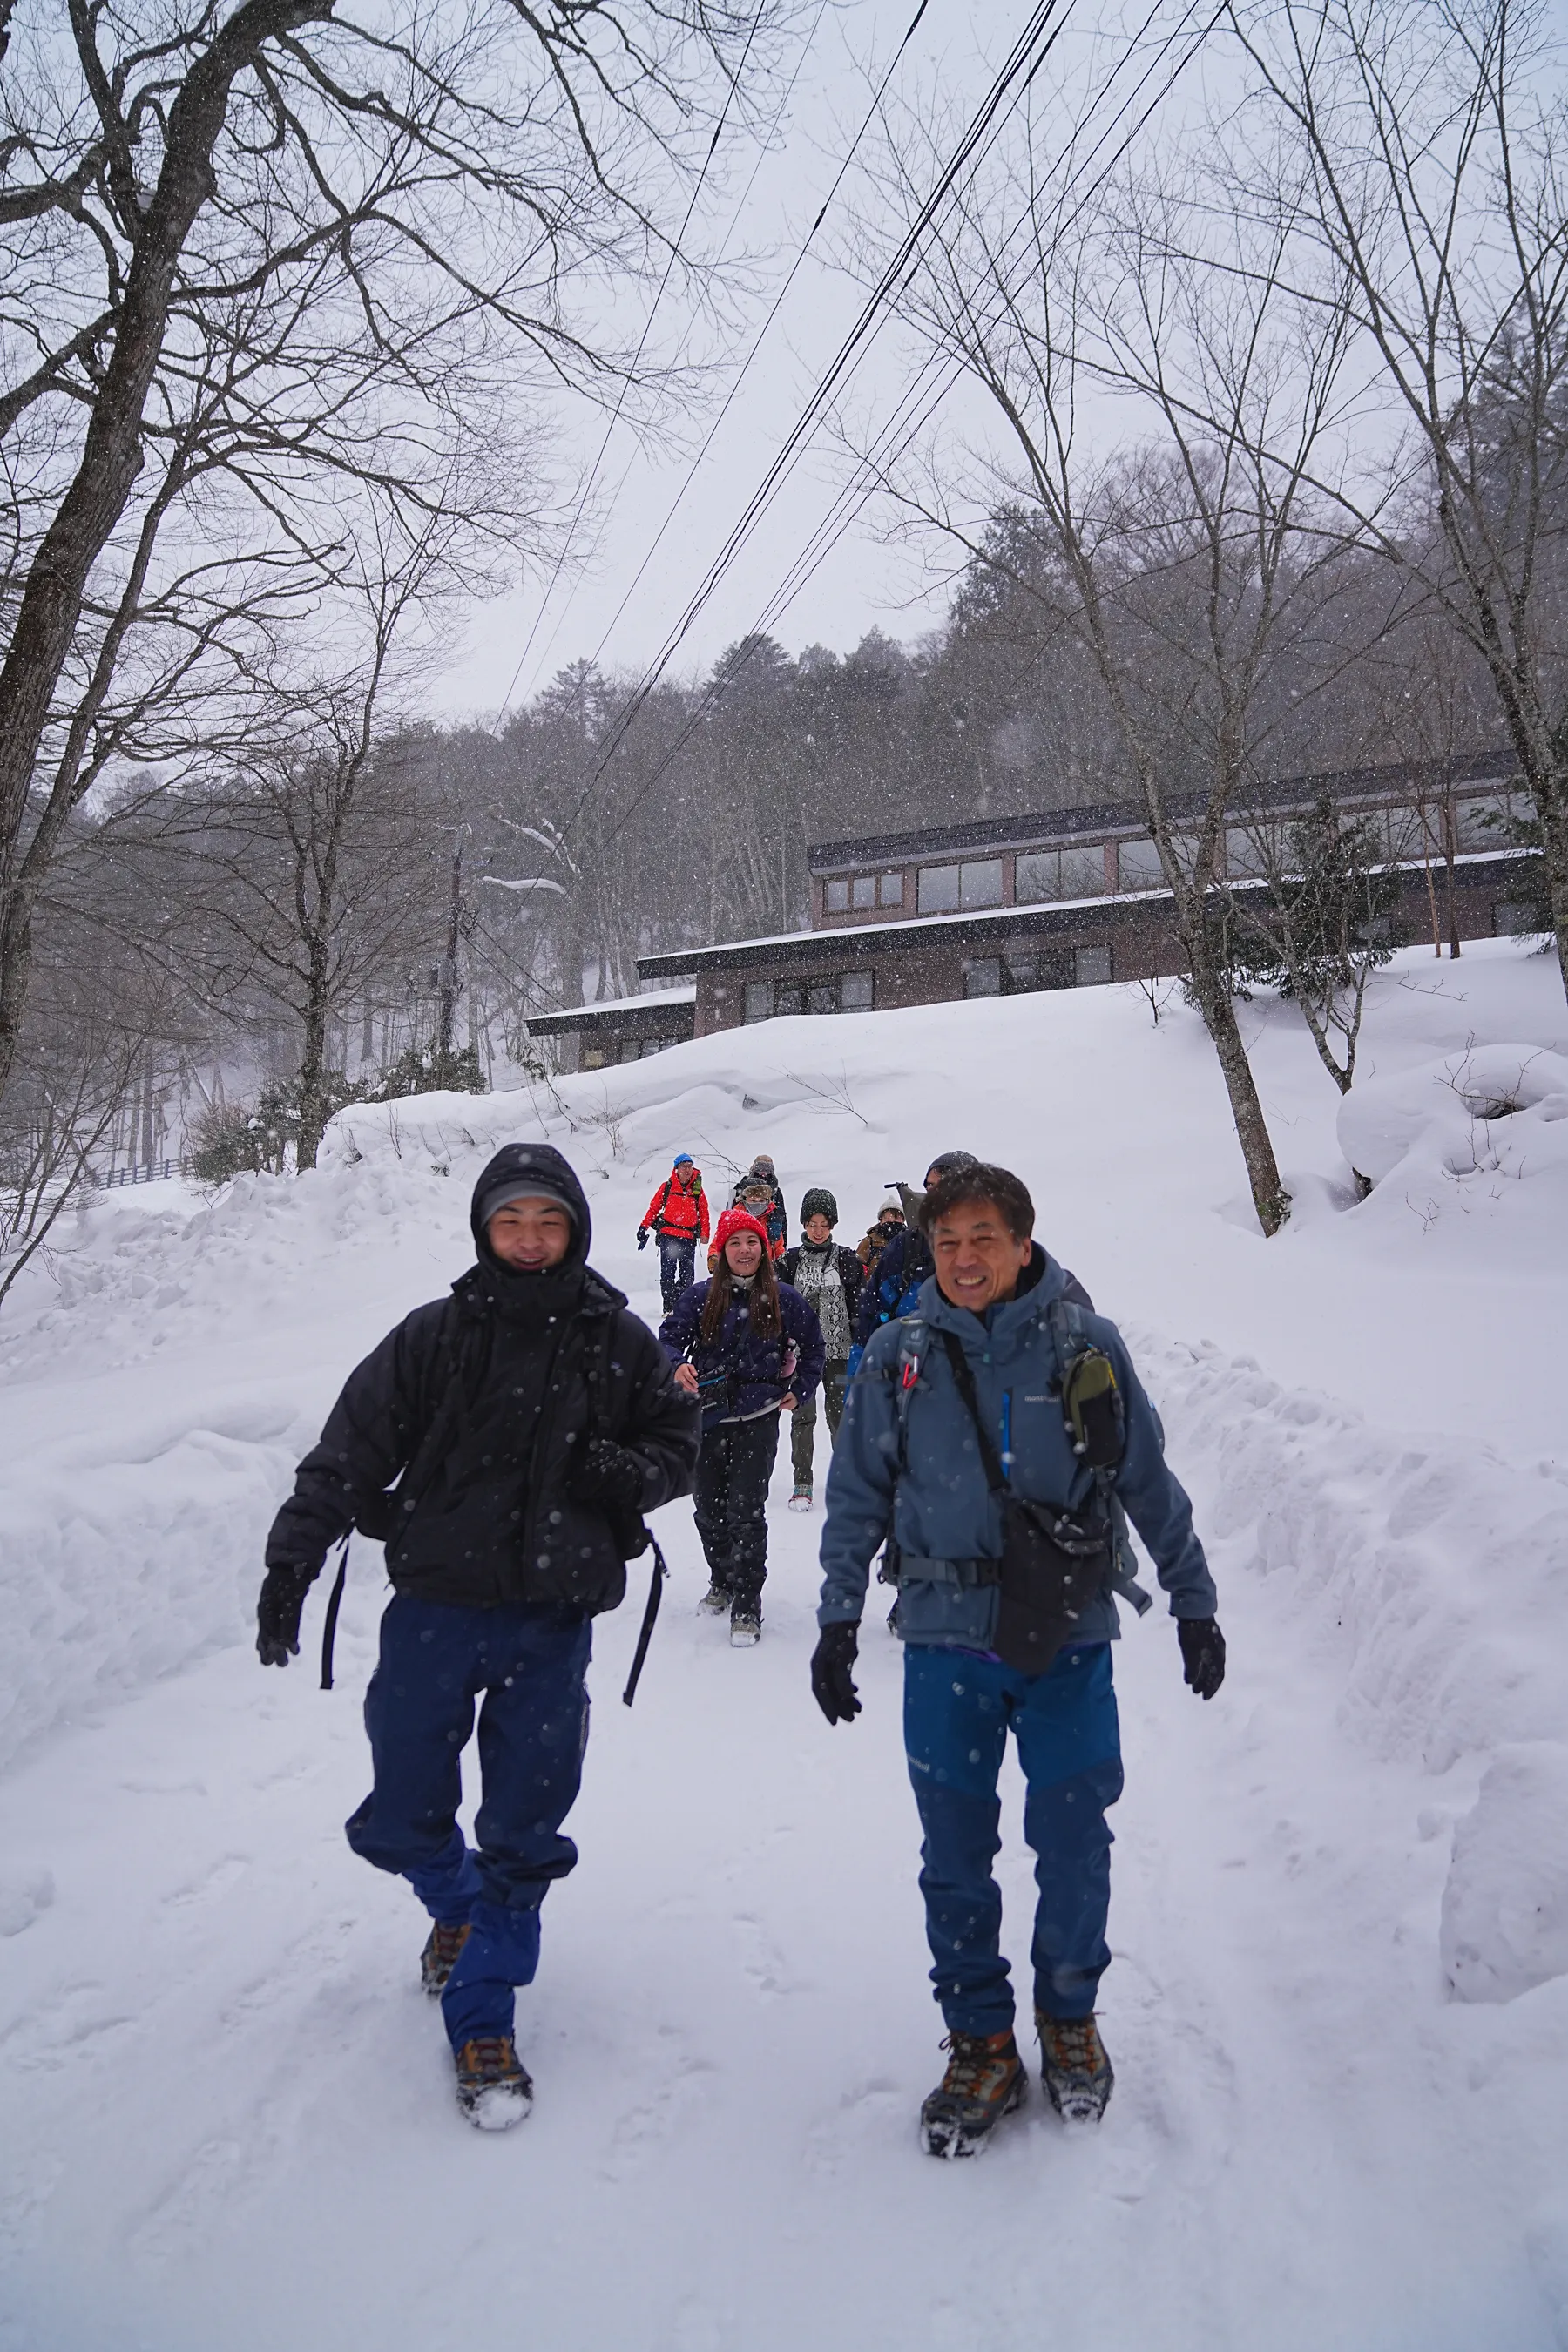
493,2087
985,2081
1077,2072
440,1957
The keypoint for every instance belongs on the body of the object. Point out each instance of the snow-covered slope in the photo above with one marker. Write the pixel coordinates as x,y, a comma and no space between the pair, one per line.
224,2116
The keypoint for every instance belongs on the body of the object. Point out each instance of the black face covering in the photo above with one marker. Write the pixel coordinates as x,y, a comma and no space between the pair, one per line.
531,1300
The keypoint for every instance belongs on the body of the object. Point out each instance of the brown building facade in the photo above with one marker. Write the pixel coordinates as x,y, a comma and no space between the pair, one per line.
1073,897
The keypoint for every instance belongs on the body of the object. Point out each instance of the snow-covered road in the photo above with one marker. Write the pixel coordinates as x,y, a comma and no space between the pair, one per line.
225,2118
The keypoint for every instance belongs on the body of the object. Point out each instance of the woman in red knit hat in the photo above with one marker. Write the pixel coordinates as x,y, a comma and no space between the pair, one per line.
749,1347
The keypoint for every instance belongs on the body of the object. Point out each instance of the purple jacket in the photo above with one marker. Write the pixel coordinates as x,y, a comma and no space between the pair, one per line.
738,1373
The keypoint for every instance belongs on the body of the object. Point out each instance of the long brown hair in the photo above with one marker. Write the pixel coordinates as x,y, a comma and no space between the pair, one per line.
766,1320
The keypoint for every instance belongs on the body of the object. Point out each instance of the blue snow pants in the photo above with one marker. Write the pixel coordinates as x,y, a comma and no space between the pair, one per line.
525,1667
958,1711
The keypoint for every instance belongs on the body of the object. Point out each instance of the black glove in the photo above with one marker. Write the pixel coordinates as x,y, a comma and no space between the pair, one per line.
1203,1654
606,1477
832,1685
642,1237
283,1592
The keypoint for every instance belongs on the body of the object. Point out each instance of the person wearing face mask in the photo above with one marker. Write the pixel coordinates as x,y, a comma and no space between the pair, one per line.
829,1279
504,1442
748,1347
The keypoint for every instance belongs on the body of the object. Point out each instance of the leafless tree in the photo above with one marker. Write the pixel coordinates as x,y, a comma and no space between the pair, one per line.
1430,138
1191,563
274,259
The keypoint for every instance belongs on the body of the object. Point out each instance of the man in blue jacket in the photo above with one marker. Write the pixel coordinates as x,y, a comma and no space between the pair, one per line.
992,1440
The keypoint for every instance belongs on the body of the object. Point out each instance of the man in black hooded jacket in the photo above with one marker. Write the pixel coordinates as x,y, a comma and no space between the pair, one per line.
505,1442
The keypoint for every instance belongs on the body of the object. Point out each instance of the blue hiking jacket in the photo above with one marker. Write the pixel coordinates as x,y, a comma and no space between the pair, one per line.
937,1506
738,1373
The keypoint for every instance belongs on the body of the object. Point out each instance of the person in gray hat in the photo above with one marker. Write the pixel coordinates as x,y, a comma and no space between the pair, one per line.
504,1442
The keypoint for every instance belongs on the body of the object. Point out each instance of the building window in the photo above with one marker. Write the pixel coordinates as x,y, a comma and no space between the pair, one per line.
1091,967
1481,824
629,1049
937,891
836,898
980,883
855,992
591,1058
865,890
1512,920
983,976
1083,873
1038,873
1243,856
1137,867
891,891
821,996
789,996
759,1000
658,1045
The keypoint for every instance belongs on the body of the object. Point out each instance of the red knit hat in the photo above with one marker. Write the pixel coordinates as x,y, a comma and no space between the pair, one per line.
737,1221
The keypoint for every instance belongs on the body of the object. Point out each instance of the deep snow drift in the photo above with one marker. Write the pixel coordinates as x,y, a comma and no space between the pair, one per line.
1339,2008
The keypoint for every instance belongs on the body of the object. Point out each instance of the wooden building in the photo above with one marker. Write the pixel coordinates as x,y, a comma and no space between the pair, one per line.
1068,897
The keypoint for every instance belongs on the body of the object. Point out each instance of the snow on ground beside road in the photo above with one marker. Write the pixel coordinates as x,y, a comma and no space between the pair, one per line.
223,2107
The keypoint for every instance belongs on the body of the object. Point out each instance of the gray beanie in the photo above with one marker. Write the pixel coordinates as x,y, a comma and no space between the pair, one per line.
523,1188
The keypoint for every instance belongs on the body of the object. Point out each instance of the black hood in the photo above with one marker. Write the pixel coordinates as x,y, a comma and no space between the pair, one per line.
514,1163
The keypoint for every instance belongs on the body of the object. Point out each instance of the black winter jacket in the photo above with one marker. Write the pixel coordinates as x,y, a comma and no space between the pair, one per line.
471,1413
851,1274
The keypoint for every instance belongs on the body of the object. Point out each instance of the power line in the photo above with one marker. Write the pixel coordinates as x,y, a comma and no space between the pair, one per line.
853,498
630,373
724,244
982,126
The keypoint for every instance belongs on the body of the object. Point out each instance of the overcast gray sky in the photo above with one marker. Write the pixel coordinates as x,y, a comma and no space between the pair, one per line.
862,584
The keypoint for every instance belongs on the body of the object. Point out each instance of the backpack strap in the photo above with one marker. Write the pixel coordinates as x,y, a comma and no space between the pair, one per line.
1096,1423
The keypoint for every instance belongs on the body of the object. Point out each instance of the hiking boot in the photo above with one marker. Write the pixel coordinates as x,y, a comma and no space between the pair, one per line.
716,1599
493,2089
745,1624
985,2081
801,1499
440,1957
1077,2072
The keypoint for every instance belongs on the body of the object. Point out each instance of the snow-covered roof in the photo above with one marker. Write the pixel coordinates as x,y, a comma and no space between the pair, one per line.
576,1016
967,917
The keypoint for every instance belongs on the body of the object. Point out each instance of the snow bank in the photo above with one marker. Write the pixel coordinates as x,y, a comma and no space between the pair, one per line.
1490,1111
1505,1908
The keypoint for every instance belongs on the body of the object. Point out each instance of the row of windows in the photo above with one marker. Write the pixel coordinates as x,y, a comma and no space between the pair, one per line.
863,890
624,1049
1021,970
845,992
1041,875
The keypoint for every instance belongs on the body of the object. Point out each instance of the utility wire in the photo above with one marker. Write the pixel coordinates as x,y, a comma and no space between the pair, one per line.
744,199
1020,60
853,498
629,376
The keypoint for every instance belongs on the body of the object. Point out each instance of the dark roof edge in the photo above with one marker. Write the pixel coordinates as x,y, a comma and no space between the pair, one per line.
841,950
1100,816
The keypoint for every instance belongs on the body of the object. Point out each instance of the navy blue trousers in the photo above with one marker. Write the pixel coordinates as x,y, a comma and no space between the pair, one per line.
676,1259
523,1668
958,1711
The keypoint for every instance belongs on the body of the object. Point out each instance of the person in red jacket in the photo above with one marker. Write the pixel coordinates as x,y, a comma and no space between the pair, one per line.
677,1219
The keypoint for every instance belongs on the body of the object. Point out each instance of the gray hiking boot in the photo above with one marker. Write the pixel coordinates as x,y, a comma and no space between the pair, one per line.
1077,2072
745,1624
985,2081
716,1601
